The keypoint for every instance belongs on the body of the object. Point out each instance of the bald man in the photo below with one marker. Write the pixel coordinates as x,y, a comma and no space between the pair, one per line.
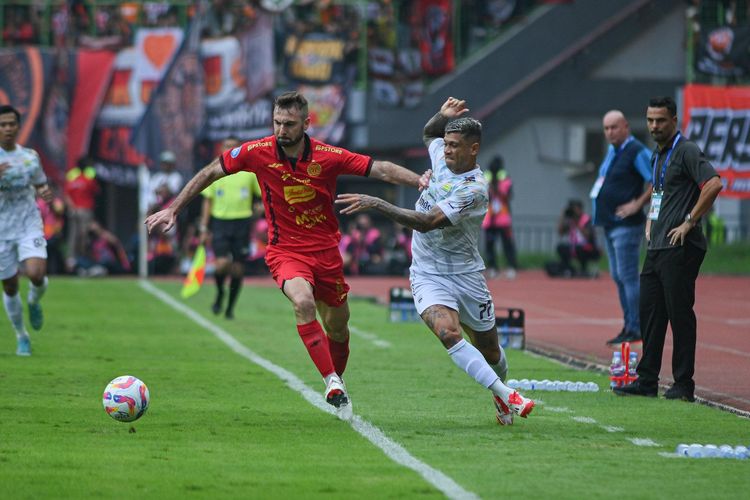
617,197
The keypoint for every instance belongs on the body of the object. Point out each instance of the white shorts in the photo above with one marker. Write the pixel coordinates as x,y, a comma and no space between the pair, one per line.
466,293
14,251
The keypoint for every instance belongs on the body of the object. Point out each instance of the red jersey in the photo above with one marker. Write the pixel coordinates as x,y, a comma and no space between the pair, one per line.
298,198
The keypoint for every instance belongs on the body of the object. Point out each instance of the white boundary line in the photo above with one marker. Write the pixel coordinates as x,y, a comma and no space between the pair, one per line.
370,337
392,449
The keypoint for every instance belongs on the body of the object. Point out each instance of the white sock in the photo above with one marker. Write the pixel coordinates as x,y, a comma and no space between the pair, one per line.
36,292
469,359
501,368
14,310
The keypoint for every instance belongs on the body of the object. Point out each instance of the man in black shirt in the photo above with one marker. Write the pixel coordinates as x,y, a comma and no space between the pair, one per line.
685,186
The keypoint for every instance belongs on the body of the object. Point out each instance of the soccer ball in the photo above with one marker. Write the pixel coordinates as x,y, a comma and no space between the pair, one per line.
125,398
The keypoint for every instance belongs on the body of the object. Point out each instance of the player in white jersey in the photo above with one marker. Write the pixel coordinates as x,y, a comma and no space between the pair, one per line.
21,230
450,292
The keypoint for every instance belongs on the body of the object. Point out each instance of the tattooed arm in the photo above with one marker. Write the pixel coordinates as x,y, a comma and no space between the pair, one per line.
422,222
435,127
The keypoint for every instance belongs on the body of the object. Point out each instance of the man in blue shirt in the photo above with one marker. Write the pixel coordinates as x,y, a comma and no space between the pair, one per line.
617,198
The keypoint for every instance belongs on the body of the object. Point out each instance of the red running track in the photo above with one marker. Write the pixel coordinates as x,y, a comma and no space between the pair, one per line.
573,318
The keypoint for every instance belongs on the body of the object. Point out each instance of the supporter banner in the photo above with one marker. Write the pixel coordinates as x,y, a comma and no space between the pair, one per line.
326,107
174,116
432,24
316,58
245,121
718,120
43,85
724,51
137,71
259,67
93,73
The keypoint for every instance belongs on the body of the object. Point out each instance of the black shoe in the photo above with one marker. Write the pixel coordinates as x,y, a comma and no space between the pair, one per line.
618,339
678,392
229,314
632,337
635,389
216,307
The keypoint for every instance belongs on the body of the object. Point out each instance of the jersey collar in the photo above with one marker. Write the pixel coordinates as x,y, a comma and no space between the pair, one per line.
306,153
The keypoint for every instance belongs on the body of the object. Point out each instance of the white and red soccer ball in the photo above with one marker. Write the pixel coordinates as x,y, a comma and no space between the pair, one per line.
126,398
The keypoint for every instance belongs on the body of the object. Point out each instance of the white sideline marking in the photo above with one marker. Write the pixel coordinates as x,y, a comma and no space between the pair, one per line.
557,409
669,454
612,428
643,442
584,420
392,449
370,336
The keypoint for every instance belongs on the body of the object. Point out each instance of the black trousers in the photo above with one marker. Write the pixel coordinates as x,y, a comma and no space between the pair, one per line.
667,296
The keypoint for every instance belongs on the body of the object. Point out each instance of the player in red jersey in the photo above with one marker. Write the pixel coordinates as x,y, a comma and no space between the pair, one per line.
297,176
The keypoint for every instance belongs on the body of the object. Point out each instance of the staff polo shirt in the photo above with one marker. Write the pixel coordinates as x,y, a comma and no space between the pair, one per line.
232,196
687,172
298,197
625,170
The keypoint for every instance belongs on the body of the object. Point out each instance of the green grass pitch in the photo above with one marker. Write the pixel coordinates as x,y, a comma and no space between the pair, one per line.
220,426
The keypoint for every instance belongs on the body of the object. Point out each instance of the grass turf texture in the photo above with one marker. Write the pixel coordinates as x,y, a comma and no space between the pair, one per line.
220,426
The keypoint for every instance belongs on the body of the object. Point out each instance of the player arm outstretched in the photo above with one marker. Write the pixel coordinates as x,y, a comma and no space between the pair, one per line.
422,222
396,174
435,126
204,178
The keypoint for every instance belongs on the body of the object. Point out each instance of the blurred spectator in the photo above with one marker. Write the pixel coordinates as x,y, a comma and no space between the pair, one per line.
80,191
369,249
162,247
399,257
498,221
256,263
348,247
21,25
53,218
167,176
105,254
579,242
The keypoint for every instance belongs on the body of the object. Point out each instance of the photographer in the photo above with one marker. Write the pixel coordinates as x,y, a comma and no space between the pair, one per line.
579,241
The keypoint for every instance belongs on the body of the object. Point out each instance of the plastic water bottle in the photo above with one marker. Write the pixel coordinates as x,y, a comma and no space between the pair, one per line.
711,451
616,368
695,451
592,387
741,452
682,450
726,451
632,363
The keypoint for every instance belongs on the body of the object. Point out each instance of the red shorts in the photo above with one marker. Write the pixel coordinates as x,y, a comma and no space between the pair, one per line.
324,270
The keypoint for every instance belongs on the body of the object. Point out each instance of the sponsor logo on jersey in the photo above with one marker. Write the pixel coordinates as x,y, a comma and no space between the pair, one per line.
424,204
235,152
329,149
314,169
275,165
298,194
253,145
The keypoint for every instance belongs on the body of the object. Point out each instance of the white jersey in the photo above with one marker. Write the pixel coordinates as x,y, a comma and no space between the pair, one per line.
19,214
464,199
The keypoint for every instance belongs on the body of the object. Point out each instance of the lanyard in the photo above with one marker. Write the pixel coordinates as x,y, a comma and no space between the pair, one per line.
613,156
660,186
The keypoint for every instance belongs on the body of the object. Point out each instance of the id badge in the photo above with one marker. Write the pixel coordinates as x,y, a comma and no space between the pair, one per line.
597,187
653,211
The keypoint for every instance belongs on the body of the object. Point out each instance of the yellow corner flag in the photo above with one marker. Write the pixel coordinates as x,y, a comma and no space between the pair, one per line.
194,279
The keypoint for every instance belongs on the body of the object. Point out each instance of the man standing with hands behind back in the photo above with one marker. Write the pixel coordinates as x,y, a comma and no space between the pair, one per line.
617,199
685,187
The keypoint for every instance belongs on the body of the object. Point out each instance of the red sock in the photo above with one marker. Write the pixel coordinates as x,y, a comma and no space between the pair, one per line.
339,353
315,340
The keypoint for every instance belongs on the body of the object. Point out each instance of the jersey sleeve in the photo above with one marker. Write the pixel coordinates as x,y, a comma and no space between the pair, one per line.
437,152
643,164
698,166
355,164
464,202
209,192
38,176
236,159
